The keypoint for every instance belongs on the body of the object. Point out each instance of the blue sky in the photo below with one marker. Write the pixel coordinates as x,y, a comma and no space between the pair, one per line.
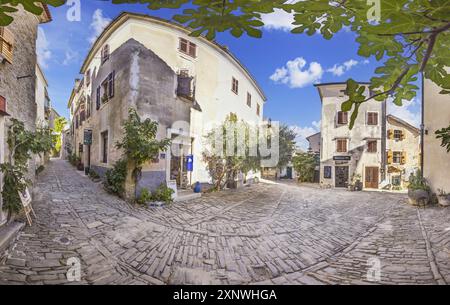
285,65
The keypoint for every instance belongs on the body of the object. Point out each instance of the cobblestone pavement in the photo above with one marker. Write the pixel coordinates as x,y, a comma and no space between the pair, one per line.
265,234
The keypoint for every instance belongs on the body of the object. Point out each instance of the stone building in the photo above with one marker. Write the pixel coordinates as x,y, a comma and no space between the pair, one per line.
43,108
381,150
17,76
436,115
314,148
403,152
185,83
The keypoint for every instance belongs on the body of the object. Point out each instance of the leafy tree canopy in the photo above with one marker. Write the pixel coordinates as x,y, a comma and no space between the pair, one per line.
408,37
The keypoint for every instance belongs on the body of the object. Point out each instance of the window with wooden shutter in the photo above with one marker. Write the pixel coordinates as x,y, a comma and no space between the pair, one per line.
341,145
3,105
372,118
98,98
111,80
397,157
105,53
390,157
6,44
342,118
390,134
372,146
235,85
403,159
188,48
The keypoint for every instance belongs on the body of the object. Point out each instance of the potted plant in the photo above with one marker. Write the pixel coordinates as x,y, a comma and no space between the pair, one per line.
418,190
356,184
443,198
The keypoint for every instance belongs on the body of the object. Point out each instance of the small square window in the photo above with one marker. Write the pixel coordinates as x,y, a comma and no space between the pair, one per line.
372,118
398,135
188,47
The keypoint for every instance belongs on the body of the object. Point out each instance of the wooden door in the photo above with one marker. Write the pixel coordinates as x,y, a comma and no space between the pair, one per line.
372,176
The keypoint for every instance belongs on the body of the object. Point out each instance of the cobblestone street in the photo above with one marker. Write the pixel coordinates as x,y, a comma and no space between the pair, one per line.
265,234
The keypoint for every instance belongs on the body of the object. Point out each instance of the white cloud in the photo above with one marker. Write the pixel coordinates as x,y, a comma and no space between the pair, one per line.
295,75
99,23
278,20
366,62
340,69
42,49
406,112
70,56
304,132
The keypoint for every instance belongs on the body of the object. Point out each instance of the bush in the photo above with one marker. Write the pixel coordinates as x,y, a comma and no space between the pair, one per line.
417,182
163,193
144,197
115,178
93,175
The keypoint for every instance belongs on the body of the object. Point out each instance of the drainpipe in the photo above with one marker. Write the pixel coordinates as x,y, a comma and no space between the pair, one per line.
422,128
383,140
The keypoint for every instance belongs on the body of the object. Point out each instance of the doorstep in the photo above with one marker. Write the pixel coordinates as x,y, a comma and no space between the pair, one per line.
8,234
183,195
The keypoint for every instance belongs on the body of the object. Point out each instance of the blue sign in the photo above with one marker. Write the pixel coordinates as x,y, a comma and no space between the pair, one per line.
190,163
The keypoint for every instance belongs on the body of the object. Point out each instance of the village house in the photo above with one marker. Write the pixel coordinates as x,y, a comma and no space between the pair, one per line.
43,108
403,146
436,115
18,65
381,150
185,83
314,148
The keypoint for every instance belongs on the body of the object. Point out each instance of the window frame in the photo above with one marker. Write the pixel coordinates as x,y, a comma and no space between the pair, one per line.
249,100
397,154
370,117
344,122
190,47
370,148
235,85
104,140
339,147
399,132
105,53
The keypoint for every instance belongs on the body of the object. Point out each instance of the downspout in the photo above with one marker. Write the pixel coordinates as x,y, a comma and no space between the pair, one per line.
383,140
422,128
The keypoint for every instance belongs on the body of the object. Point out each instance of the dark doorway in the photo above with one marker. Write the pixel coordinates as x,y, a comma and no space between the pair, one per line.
341,175
289,173
372,176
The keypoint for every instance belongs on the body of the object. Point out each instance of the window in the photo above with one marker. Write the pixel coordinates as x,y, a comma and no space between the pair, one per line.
88,78
372,146
258,110
341,145
2,105
185,85
104,139
235,85
249,100
6,44
105,54
398,135
89,107
396,181
397,157
372,118
327,172
98,98
188,47
76,121
108,89
342,118
82,112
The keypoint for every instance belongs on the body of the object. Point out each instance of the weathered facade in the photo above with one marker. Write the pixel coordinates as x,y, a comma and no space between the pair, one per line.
43,108
436,115
17,77
403,152
187,84
359,153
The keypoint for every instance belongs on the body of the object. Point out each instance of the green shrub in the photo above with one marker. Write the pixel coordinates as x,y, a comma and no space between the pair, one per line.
417,182
144,197
163,193
93,174
115,178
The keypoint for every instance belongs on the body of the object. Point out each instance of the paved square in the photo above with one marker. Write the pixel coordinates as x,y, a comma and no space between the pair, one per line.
264,234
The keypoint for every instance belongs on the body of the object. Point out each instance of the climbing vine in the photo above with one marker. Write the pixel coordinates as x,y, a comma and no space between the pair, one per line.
22,145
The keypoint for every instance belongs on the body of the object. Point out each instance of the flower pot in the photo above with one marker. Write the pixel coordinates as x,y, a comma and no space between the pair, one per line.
418,197
444,200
